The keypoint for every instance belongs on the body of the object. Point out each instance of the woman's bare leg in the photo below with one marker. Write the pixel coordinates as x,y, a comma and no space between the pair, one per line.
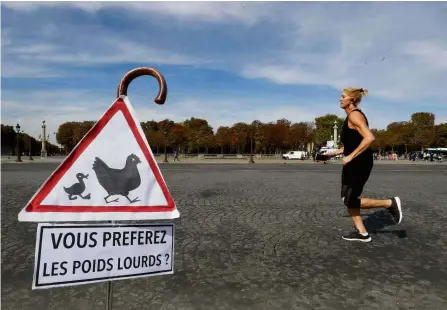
368,203
358,221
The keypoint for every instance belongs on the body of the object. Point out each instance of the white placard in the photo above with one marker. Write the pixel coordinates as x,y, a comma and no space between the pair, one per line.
68,254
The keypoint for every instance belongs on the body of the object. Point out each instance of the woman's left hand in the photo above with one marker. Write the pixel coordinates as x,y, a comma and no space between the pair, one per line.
345,160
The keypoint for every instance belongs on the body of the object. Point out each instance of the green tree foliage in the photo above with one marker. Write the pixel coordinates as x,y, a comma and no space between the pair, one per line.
441,135
154,134
423,129
199,134
259,139
239,134
300,135
414,135
27,143
280,136
177,137
222,137
325,127
65,135
423,119
81,129
8,139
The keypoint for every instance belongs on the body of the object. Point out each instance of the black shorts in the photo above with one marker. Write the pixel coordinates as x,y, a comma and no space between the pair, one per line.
353,180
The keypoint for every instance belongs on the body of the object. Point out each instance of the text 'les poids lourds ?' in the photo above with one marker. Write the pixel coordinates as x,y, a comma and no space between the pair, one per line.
89,266
107,239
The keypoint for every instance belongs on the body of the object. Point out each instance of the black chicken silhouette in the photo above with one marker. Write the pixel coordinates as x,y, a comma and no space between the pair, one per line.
78,188
118,181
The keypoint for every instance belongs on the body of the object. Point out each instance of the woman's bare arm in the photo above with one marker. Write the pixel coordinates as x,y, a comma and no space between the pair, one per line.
337,152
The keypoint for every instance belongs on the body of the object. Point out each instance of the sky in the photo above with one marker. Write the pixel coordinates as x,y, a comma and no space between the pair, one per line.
226,62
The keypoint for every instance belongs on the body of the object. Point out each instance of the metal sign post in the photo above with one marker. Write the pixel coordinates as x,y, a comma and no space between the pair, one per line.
109,295
109,298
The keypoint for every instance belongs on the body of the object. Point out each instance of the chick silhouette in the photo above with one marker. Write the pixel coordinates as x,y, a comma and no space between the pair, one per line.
78,188
118,181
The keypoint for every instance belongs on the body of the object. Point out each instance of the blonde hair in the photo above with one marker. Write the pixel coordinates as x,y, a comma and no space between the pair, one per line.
356,94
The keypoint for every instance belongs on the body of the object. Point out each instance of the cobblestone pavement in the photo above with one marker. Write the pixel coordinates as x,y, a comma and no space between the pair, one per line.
261,237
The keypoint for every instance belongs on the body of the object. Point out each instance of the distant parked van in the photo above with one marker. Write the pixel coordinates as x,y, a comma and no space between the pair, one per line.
295,155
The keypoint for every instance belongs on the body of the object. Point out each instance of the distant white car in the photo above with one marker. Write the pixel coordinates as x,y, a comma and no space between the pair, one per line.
295,155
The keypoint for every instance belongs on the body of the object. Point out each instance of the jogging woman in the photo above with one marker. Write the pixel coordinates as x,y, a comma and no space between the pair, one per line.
357,165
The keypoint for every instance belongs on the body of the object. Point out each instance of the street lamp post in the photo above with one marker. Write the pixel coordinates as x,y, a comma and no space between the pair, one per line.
251,161
58,148
19,159
43,152
30,148
165,131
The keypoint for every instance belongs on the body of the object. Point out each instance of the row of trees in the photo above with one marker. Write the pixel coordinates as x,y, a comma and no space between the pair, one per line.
26,143
418,133
196,135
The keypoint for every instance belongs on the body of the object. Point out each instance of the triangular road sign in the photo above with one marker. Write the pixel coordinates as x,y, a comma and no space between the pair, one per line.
111,175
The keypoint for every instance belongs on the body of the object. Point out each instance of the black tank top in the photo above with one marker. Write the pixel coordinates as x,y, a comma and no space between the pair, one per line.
351,139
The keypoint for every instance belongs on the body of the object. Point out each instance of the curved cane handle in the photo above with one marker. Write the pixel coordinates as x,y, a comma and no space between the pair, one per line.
133,74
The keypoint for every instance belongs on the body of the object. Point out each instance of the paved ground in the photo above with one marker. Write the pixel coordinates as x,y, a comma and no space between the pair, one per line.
261,237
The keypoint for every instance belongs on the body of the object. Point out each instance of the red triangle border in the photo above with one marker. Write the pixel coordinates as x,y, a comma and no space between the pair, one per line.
118,106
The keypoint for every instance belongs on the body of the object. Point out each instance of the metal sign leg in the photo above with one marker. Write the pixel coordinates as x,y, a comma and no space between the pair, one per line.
109,295
109,289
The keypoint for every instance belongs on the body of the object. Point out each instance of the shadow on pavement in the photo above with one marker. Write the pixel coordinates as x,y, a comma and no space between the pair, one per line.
381,219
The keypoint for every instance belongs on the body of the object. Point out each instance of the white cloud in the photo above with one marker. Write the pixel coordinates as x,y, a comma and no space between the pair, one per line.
378,46
433,54
208,11
60,106
40,60
34,5
29,70
31,108
248,13
105,50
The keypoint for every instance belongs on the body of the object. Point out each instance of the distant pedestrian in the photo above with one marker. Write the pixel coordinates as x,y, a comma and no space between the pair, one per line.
176,153
357,165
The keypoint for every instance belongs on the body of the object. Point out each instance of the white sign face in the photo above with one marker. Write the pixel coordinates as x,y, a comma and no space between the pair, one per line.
69,255
110,175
